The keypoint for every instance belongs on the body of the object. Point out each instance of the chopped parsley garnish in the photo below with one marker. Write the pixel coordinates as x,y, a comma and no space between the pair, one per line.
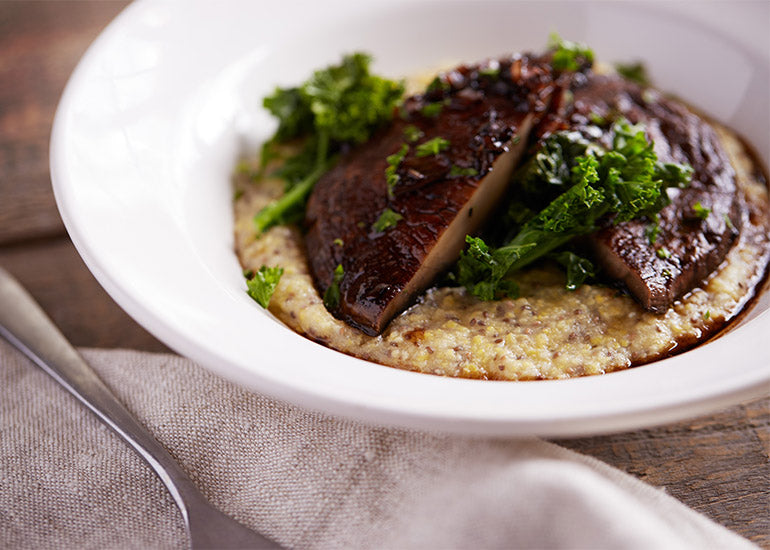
707,315
569,56
653,229
663,252
438,84
729,222
635,72
461,171
391,172
701,212
412,133
387,219
597,119
432,147
261,284
432,110
490,71
572,188
342,104
332,293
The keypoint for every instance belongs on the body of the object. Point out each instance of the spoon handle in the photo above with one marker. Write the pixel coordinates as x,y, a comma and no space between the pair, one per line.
25,325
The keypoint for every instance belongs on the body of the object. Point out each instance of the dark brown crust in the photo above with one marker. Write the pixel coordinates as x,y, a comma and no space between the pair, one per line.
480,116
688,247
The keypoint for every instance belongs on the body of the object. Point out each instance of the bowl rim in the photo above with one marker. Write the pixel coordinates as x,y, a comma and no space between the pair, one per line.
420,401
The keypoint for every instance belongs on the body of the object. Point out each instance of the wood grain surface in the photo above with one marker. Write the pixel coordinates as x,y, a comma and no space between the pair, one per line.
717,464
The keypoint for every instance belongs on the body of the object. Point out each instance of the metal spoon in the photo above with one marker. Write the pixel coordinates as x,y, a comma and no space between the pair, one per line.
25,325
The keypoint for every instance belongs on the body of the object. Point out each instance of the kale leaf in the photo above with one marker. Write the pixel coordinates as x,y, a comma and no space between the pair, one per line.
569,56
332,293
342,104
592,186
578,269
261,284
482,270
549,171
635,72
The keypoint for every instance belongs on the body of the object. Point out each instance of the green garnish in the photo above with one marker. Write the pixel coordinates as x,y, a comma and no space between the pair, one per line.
491,71
332,293
432,110
701,211
482,270
290,207
391,172
549,171
432,147
341,104
707,315
412,133
243,168
569,56
663,252
261,284
462,171
580,185
635,72
578,269
653,229
387,219
438,84
338,242
729,222
597,119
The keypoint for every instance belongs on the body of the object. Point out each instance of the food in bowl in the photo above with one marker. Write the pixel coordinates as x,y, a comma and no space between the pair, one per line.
522,218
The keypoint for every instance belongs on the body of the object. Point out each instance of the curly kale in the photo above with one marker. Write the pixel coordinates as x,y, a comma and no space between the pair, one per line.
586,185
342,104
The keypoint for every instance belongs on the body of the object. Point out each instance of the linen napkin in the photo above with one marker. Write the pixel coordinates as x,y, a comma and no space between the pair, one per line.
305,479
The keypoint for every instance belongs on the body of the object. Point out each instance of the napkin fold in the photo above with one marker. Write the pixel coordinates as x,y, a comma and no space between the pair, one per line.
305,479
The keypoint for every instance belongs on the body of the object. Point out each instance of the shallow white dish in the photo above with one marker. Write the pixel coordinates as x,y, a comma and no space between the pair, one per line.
165,101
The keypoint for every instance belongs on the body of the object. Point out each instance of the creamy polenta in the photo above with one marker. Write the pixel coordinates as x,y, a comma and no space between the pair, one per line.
547,333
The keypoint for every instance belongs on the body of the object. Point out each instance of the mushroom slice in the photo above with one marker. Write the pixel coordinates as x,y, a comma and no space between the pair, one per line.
694,233
393,214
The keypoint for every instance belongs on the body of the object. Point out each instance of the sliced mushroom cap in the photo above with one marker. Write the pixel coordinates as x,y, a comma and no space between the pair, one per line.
436,173
696,231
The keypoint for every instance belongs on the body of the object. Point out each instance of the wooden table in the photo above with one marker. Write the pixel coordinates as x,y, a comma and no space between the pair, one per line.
717,464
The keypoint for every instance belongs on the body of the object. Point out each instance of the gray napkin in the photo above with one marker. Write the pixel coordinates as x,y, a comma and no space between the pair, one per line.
305,479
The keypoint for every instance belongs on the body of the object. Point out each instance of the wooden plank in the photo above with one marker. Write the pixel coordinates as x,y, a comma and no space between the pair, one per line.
716,464
40,44
53,272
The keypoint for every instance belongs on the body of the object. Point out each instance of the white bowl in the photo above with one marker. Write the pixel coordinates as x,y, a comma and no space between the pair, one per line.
164,102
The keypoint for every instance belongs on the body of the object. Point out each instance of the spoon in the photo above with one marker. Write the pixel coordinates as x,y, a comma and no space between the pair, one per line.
26,326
